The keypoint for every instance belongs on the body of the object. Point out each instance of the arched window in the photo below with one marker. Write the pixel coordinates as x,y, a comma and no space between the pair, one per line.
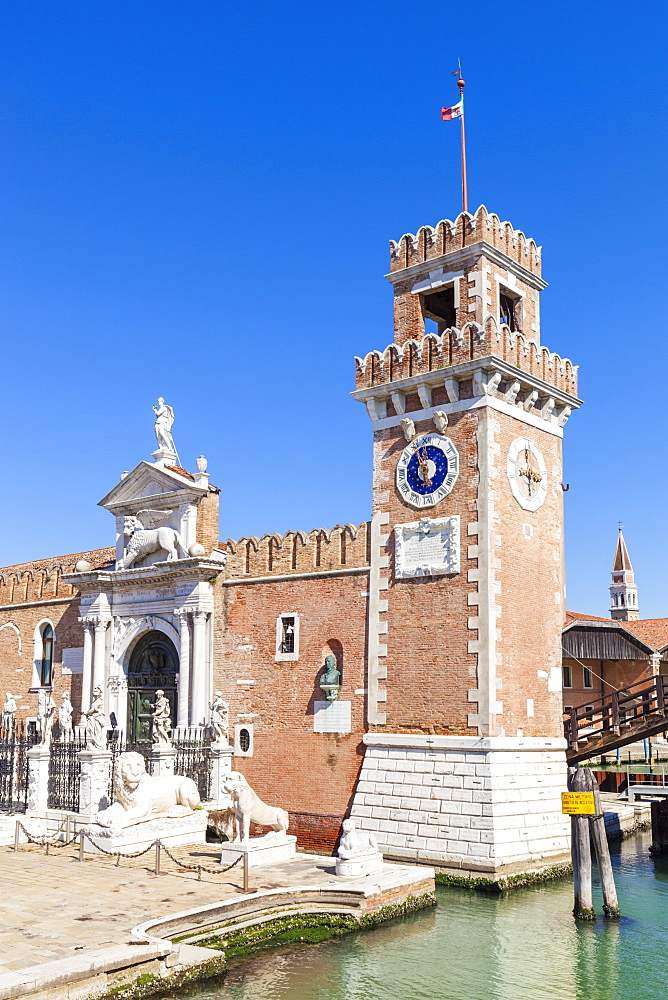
46,668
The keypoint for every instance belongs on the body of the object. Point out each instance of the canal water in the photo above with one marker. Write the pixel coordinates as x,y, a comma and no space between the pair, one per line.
521,946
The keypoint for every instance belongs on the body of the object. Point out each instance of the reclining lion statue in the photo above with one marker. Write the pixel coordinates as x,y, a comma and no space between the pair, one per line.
140,797
249,808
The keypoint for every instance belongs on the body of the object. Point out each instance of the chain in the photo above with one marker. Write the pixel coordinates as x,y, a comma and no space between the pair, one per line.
47,841
119,854
198,868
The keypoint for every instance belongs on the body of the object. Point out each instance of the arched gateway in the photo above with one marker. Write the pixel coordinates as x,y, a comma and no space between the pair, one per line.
154,664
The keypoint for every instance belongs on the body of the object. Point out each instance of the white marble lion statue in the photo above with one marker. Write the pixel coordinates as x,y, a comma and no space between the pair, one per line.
249,808
355,843
141,797
141,542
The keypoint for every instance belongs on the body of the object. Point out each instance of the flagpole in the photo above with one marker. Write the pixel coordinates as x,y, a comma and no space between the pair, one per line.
465,194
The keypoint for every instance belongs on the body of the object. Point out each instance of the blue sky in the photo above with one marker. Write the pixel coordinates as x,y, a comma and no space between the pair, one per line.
195,202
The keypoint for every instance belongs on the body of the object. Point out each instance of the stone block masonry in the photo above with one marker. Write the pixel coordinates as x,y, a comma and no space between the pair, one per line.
485,805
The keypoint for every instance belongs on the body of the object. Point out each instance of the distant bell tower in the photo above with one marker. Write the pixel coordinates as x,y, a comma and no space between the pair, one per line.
623,589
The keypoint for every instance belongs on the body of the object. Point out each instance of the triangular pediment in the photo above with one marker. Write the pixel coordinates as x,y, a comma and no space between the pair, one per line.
147,481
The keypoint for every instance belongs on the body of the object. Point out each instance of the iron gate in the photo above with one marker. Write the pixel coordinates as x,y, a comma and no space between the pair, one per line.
15,741
64,771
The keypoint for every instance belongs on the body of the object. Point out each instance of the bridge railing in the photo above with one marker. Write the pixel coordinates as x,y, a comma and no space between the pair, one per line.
608,714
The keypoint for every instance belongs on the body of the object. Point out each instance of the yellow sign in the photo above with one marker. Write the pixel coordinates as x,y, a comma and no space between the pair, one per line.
578,803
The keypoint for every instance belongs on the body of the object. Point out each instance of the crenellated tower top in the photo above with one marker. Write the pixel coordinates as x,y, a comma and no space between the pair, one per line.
447,237
474,269
466,325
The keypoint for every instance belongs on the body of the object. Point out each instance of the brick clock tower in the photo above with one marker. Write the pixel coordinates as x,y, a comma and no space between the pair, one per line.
465,756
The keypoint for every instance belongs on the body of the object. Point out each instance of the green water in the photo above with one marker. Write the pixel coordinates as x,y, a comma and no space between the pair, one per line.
477,947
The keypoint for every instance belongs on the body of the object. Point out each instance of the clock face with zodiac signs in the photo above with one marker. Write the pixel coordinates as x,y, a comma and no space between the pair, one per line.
427,470
527,473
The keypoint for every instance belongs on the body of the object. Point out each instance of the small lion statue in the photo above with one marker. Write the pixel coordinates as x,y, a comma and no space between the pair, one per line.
141,797
355,843
249,808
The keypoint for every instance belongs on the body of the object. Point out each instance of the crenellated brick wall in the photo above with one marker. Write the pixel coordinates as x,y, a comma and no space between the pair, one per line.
436,352
41,579
319,550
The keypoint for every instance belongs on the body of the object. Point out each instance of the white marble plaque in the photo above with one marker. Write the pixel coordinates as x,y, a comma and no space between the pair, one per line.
428,547
73,660
331,717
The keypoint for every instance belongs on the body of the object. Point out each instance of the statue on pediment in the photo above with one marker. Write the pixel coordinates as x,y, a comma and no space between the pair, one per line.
164,419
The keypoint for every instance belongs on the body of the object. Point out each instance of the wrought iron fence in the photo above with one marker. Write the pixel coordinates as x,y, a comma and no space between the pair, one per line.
193,759
15,741
64,771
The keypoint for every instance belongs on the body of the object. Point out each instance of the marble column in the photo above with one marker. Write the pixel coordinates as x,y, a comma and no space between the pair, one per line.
93,782
87,675
183,711
99,652
199,678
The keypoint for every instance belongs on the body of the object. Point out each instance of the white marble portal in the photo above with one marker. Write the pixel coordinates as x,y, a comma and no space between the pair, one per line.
428,547
270,849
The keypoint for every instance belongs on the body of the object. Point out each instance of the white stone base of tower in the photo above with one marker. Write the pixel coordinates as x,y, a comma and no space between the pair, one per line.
488,806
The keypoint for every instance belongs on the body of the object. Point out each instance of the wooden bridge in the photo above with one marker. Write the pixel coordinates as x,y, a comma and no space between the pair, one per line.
620,718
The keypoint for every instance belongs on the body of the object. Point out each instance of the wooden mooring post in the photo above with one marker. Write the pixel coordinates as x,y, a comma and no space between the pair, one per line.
659,827
583,908
602,849
583,780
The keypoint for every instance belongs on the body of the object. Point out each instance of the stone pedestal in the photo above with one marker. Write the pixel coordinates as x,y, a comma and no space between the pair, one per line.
270,849
174,832
476,804
221,765
163,760
38,778
94,782
365,864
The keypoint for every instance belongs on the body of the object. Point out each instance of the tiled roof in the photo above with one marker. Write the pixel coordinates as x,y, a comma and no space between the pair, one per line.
181,472
652,631
572,616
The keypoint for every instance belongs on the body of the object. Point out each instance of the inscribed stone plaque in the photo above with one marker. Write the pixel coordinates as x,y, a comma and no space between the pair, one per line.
73,660
331,717
428,547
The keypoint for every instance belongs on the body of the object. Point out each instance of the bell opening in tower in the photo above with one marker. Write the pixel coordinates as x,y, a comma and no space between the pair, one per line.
440,307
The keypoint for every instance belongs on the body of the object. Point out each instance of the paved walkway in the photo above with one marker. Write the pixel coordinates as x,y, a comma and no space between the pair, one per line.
54,906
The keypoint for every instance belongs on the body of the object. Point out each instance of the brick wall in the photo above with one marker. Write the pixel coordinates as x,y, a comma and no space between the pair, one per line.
312,775
33,593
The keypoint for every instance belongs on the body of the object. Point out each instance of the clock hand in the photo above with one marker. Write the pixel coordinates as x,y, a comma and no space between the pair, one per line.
424,466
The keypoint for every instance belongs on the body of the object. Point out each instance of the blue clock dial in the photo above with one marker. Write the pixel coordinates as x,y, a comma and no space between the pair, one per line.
427,470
